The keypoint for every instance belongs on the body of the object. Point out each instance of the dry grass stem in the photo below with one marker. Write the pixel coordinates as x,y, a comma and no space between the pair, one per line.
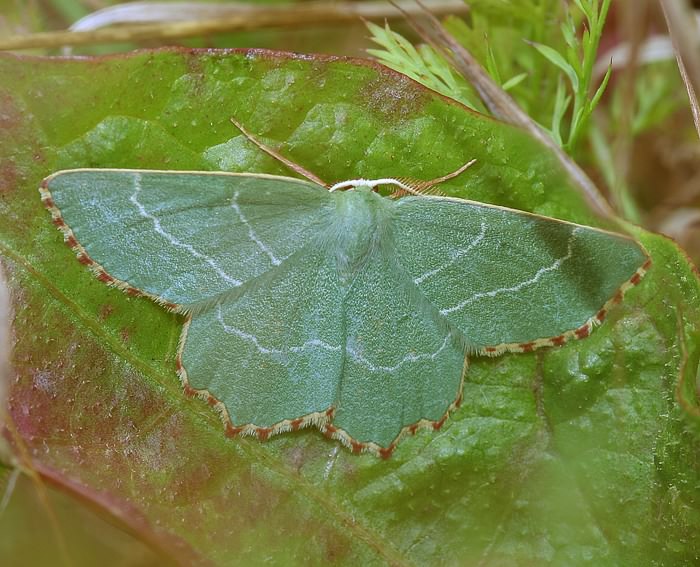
218,19
684,33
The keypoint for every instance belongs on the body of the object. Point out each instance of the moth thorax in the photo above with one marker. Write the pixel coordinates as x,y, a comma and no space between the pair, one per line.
357,229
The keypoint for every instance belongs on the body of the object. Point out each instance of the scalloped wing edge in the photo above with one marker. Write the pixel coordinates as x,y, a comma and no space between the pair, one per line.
580,332
84,258
322,420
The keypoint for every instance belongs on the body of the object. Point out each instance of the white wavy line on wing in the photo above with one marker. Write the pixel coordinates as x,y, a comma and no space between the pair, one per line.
251,233
477,240
405,360
267,350
325,346
534,279
174,241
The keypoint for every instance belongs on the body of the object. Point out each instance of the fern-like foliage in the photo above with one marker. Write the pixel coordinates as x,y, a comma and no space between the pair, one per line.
421,63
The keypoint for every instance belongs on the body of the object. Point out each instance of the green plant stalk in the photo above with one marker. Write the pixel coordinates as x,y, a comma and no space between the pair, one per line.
540,36
583,106
602,154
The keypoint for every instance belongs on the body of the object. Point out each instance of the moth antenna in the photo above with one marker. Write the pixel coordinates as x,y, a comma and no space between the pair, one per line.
444,178
417,187
279,157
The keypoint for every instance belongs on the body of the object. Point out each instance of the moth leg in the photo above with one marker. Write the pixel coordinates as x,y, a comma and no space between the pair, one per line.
279,157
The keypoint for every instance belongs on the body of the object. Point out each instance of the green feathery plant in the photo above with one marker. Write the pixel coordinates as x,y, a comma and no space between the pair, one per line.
422,64
576,62
506,27
543,52
561,98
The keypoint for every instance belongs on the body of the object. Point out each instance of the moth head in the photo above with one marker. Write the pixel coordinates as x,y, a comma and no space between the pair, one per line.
369,185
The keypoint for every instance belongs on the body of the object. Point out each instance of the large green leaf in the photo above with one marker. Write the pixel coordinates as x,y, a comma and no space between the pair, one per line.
583,454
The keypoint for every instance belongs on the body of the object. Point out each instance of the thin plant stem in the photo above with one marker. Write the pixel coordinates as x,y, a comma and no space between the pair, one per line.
232,18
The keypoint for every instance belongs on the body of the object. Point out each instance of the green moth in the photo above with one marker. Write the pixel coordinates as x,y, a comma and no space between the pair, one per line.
342,309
